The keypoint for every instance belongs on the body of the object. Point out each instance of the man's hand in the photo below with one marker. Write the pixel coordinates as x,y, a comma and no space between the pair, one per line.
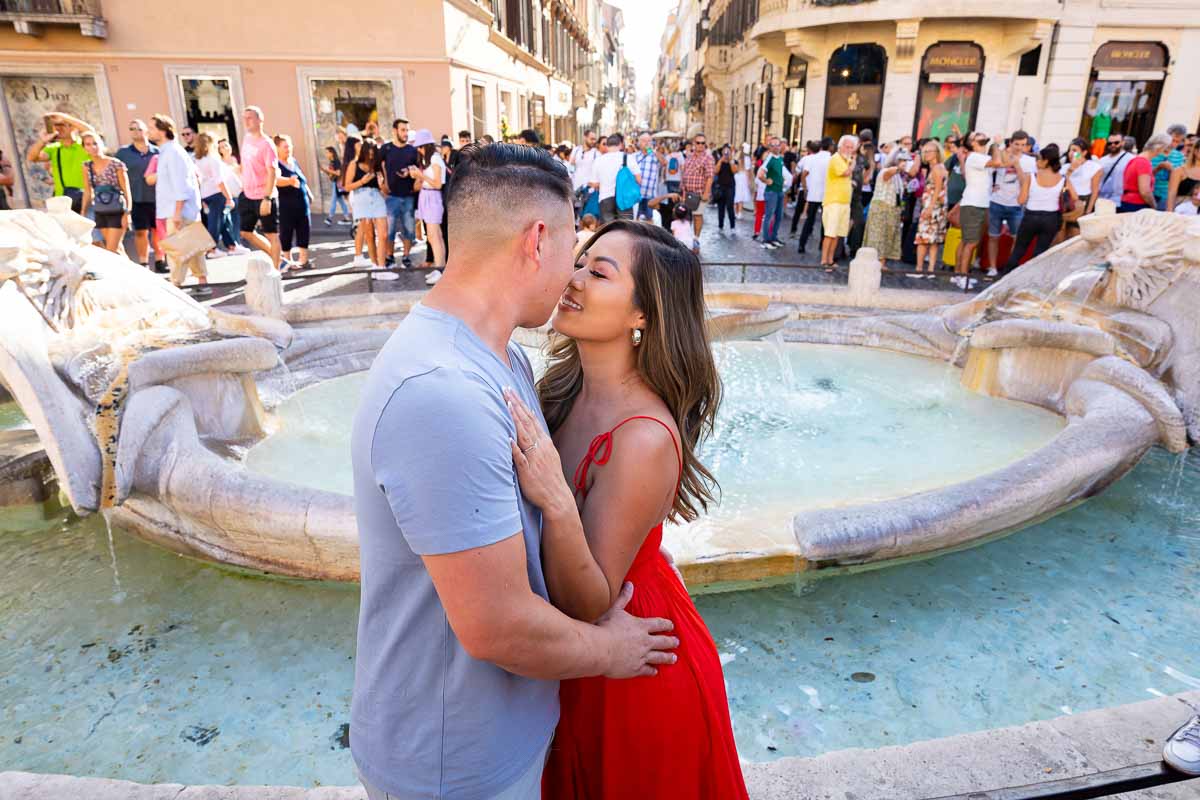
264,207
46,137
176,221
638,645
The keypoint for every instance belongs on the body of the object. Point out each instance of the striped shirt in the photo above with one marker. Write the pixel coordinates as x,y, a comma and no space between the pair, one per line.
649,170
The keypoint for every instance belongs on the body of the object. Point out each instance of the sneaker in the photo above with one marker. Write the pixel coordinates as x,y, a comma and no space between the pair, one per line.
212,254
992,273
433,277
160,267
957,280
972,283
1182,750
385,276
201,290
406,263
390,261
344,222
239,250
361,262
328,221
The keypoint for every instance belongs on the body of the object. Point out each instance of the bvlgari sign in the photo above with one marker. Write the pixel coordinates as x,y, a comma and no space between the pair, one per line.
953,57
1131,55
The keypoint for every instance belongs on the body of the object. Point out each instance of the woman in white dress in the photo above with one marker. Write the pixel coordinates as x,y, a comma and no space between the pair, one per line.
742,194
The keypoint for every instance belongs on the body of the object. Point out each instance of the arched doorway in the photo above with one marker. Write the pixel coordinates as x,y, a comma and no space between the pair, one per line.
854,93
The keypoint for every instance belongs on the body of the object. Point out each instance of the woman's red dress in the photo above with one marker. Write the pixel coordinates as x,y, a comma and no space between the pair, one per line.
666,736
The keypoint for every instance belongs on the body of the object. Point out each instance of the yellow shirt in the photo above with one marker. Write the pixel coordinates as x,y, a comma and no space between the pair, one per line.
837,181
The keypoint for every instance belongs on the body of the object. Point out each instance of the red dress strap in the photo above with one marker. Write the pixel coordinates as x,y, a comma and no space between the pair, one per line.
600,451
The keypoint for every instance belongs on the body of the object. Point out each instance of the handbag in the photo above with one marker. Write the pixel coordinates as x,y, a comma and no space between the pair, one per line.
106,198
628,192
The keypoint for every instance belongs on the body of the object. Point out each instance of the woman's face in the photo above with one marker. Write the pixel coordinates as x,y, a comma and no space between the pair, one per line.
284,149
91,146
597,305
930,153
224,150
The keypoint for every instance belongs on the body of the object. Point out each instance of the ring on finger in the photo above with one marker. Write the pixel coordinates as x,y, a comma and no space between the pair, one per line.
531,448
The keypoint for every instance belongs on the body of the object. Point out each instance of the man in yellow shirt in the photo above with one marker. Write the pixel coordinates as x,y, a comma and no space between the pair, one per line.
835,215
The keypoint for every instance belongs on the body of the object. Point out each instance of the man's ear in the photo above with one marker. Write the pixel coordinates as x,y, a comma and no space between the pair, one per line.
534,239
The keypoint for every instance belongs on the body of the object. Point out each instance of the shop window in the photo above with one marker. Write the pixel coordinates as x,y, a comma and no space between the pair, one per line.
208,108
949,90
1029,62
854,97
1124,92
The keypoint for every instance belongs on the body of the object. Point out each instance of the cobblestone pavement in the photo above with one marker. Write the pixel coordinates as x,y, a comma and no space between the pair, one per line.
728,257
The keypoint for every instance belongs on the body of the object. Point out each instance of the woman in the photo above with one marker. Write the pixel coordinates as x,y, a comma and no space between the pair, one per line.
294,206
429,177
1184,181
1139,176
724,189
629,392
742,196
1081,168
231,176
883,223
213,191
1043,214
366,201
333,170
932,222
106,193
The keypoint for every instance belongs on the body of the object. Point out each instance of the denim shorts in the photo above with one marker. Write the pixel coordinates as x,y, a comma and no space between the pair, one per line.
400,213
998,214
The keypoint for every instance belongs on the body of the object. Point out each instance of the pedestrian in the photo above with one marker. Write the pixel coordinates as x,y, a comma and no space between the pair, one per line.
1043,216
956,183
587,228
258,205
7,178
529,137
333,170
187,138
1139,176
772,174
681,226
214,194
696,181
1189,206
1169,159
604,180
674,168
176,193
396,158
231,176
725,189
60,149
583,158
106,192
295,205
137,156
883,223
649,169
1110,179
862,178
1012,168
814,175
742,195
367,203
1184,180
835,212
932,223
798,184
429,174
1081,168
973,209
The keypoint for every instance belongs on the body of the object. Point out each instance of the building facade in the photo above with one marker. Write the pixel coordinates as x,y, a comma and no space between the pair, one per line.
485,66
804,69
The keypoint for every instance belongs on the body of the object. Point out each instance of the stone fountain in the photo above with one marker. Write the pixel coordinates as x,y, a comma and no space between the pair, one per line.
144,399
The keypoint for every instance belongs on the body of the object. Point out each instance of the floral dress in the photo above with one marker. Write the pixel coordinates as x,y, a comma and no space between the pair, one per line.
932,224
883,220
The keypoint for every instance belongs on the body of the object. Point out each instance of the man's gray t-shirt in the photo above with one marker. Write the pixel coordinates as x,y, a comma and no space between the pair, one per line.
433,474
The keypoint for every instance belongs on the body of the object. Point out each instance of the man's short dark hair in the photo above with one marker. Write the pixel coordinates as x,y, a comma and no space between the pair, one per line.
530,136
827,144
164,124
398,121
1019,136
464,134
866,135
615,140
499,176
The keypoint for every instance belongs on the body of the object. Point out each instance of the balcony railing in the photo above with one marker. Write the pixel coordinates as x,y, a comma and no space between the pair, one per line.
28,16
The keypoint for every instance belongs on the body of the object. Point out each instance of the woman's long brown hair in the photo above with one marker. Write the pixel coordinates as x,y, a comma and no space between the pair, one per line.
674,359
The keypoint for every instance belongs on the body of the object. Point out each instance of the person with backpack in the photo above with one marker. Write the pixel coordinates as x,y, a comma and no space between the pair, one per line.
607,173
61,151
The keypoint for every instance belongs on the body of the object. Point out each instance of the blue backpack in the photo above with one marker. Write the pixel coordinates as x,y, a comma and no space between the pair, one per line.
628,191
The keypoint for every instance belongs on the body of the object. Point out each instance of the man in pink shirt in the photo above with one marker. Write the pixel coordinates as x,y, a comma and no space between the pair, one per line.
257,204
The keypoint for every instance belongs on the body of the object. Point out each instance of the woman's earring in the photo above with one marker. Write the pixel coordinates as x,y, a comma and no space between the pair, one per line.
637,336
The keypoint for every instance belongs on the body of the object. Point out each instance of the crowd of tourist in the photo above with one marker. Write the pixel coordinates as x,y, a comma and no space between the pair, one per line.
916,202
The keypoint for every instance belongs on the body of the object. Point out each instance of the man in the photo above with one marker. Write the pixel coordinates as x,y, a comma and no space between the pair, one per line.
814,177
529,137
60,150
810,147
866,148
791,155
583,158
1011,174
136,156
258,204
187,137
459,649
1109,180
771,175
835,212
1165,163
649,167
604,179
396,157
695,182
1178,134
176,193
